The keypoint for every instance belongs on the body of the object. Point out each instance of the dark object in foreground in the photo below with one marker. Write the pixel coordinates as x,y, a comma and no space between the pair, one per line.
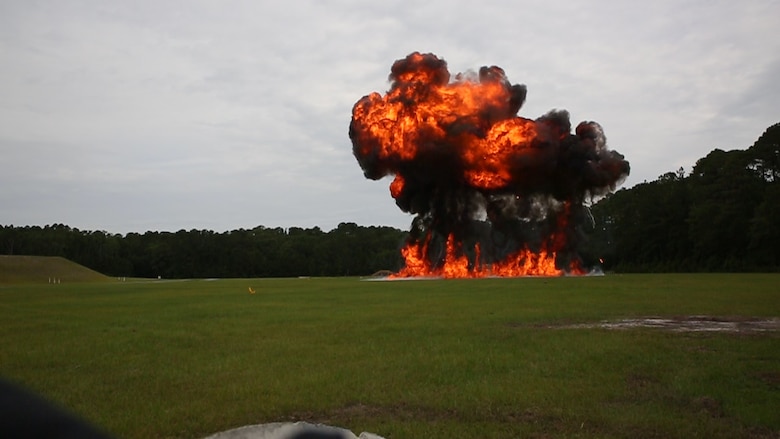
25,415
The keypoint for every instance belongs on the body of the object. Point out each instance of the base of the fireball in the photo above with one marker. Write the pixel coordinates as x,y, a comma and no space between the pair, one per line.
594,272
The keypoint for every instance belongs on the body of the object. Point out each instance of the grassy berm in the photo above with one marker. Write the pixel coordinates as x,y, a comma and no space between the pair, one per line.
44,269
483,358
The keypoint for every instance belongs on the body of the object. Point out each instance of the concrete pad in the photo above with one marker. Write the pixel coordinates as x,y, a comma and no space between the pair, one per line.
290,430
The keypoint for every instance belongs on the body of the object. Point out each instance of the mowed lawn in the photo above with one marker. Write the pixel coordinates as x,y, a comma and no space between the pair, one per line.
481,358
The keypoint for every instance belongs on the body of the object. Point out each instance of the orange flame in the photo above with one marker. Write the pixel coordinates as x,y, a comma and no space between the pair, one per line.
456,265
397,186
390,127
488,159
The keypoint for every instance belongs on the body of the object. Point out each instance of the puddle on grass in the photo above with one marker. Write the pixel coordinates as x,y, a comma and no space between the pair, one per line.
688,324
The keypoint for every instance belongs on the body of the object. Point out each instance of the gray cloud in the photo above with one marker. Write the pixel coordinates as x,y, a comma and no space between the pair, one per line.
161,115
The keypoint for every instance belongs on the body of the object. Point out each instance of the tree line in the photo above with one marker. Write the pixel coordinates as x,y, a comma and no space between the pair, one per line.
347,250
723,216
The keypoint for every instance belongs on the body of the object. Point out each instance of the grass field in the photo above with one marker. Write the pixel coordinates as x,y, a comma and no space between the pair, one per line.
484,358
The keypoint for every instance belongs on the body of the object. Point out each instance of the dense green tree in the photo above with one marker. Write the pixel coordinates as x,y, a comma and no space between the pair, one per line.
764,160
643,228
764,246
764,155
725,193
724,216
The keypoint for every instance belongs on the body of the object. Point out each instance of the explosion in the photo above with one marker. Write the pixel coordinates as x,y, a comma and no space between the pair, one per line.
493,193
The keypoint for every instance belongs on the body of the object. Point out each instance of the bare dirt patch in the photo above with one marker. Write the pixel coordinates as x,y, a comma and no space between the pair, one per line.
734,324
771,378
708,405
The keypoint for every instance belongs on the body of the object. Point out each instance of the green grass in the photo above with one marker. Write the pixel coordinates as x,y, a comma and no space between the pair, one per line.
408,359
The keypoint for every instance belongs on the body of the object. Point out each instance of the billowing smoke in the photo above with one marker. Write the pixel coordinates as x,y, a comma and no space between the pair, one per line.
492,193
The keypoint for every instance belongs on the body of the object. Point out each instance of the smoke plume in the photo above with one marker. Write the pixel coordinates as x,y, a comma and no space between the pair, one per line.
492,193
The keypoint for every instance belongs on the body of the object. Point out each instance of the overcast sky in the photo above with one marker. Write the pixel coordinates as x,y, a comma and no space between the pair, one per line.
129,116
